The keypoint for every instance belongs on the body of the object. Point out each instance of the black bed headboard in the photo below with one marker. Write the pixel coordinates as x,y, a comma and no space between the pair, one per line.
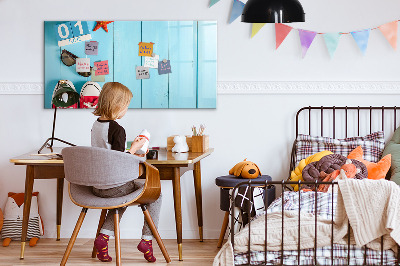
344,121
346,111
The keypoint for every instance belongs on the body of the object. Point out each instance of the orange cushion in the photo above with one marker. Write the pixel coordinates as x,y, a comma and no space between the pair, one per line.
375,170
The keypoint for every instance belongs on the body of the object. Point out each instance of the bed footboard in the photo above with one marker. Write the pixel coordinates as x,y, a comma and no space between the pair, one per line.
379,257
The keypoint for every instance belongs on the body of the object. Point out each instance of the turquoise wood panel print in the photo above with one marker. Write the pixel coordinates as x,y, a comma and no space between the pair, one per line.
166,64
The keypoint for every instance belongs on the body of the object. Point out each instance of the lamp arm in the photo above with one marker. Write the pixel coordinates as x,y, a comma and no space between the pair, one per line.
46,143
54,126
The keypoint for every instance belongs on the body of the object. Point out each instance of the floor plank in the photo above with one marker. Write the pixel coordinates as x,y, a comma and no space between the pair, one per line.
49,252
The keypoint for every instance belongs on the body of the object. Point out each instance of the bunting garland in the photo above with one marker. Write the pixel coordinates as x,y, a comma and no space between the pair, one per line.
281,31
237,9
389,30
332,41
306,39
213,2
256,27
361,37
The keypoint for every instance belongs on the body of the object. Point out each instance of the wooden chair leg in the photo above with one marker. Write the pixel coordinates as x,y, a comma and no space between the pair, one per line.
117,239
154,230
223,229
101,222
73,237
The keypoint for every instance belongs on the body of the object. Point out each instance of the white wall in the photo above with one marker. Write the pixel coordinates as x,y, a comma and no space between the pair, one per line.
259,127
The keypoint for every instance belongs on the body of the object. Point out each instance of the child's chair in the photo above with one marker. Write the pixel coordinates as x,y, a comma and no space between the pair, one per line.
85,167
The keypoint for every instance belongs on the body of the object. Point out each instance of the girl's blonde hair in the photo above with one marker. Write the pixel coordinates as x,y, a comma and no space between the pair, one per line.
113,98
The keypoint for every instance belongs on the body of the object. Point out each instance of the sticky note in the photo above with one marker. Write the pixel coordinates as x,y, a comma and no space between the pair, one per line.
164,68
99,78
83,65
101,67
91,48
145,48
151,61
142,72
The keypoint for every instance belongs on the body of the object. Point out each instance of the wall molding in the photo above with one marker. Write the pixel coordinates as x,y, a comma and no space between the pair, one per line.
260,87
309,87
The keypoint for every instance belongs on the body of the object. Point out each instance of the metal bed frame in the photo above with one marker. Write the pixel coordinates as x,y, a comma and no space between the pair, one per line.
283,184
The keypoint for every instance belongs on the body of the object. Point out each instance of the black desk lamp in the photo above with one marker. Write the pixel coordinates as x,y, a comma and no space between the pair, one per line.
273,11
64,95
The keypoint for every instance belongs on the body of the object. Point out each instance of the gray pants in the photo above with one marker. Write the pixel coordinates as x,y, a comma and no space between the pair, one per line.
154,208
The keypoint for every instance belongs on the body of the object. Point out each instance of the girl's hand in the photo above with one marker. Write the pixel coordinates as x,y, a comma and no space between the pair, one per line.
137,144
142,155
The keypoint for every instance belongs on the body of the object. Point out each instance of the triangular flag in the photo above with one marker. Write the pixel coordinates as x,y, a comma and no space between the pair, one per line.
255,28
237,9
390,32
332,41
213,2
281,31
361,37
306,39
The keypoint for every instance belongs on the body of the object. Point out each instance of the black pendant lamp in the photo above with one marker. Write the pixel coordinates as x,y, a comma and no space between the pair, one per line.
273,11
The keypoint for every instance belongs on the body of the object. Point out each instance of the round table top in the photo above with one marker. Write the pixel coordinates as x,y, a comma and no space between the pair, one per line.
230,181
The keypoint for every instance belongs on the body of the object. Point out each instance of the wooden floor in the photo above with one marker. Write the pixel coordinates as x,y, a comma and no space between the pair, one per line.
50,252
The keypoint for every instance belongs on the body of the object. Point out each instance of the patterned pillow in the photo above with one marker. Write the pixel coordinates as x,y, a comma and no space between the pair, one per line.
372,144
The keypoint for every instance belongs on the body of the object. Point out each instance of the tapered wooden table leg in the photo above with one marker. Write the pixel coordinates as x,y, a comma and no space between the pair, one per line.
60,191
27,206
223,229
101,222
176,184
199,204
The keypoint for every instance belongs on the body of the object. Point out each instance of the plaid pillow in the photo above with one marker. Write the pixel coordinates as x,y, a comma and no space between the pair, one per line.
372,145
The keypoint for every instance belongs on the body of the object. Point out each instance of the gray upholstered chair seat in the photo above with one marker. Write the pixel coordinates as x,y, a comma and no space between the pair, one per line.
85,167
83,196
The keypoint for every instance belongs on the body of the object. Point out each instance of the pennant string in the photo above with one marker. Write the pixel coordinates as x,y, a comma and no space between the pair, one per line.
346,32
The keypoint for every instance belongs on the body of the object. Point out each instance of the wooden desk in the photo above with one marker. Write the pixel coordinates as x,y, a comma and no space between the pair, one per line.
169,165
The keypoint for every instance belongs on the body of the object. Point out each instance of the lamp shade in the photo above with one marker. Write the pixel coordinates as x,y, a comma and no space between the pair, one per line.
64,94
273,11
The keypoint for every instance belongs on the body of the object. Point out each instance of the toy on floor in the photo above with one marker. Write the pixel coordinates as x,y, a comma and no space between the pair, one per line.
13,215
245,169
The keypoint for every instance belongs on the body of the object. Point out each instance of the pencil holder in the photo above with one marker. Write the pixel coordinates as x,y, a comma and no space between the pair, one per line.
200,143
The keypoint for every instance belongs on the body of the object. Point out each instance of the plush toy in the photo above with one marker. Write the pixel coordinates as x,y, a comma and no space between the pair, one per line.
375,170
180,144
296,174
13,215
89,95
245,169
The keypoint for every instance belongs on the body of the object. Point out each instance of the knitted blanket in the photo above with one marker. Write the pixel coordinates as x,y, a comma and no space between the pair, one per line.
371,207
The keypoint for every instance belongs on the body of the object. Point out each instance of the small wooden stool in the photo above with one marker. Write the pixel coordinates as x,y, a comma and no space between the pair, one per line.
228,182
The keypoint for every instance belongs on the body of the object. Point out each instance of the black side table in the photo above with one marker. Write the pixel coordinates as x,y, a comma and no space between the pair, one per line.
228,182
